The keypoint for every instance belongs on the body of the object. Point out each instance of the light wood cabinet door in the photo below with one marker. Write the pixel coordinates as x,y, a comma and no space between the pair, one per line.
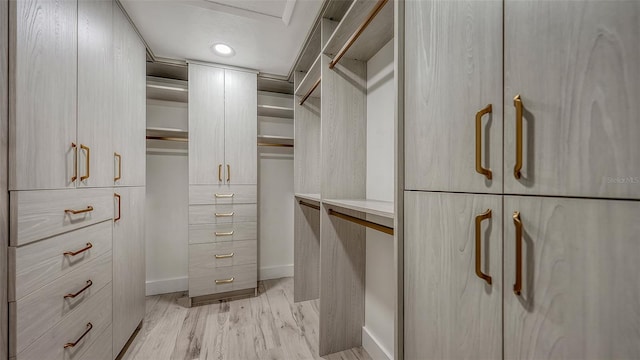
128,264
129,116
95,92
453,62
449,311
576,66
206,125
43,88
580,295
241,127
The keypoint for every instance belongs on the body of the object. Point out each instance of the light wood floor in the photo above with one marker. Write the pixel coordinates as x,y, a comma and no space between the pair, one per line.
269,326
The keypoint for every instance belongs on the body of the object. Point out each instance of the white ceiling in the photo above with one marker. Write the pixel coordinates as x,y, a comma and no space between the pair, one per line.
265,34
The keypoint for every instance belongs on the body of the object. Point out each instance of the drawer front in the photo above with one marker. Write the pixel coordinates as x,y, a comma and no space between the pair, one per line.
222,214
41,310
211,233
38,264
96,311
207,257
203,281
102,347
37,215
222,194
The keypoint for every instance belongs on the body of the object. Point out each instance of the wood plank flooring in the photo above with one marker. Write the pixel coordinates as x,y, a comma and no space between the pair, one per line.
267,327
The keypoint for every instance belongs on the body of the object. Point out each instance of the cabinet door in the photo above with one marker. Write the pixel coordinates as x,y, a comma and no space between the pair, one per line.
43,92
580,295
129,129
241,127
206,125
95,92
449,311
576,66
453,71
128,264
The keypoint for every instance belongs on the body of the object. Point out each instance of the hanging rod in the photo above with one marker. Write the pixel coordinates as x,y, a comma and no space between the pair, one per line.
367,223
306,96
167,138
278,145
358,32
308,205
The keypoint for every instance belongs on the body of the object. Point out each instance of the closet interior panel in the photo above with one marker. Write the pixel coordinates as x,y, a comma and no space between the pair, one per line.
4,194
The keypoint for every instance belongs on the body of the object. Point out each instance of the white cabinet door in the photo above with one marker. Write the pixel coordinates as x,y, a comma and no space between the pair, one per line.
128,264
241,127
95,92
576,66
206,125
450,312
43,91
453,66
579,294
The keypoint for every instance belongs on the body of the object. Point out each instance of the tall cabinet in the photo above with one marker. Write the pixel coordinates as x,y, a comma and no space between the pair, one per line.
222,180
521,179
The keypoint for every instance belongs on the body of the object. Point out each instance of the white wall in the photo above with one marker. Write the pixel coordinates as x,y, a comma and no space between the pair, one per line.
378,332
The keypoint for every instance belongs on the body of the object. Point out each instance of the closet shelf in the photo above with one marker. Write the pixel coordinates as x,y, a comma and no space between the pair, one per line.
314,198
269,140
167,89
373,207
168,134
309,85
364,30
275,111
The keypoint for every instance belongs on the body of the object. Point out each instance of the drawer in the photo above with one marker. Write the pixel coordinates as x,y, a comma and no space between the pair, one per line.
211,256
41,310
102,347
222,194
36,265
39,214
203,281
222,214
210,233
97,311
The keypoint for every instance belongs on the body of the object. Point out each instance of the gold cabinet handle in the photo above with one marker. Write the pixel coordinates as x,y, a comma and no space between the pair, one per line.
223,256
117,196
485,215
119,157
224,195
224,233
74,253
75,162
88,162
224,214
517,287
220,172
74,212
481,170
228,173
517,102
224,281
73,344
71,296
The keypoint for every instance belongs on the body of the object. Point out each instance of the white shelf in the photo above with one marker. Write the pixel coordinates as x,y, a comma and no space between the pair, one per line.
315,198
167,89
373,207
270,139
310,79
275,111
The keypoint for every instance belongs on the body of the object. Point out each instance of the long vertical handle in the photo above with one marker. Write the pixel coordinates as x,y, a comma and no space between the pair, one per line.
485,215
75,162
220,172
117,196
228,173
119,157
479,168
517,102
88,162
517,287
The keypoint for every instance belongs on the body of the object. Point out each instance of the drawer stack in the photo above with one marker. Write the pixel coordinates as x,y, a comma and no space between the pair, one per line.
222,238
60,272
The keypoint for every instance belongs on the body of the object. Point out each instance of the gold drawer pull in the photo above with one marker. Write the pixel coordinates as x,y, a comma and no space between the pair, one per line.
119,157
220,172
72,344
485,215
228,173
224,214
224,195
224,233
74,253
89,283
479,168
517,287
224,281
74,212
517,102
75,162
224,256
88,162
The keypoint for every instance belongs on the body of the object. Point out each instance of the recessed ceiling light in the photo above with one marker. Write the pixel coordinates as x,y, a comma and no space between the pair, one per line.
222,49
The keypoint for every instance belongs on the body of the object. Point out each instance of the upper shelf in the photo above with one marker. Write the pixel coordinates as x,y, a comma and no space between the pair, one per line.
266,140
373,207
315,198
308,85
167,89
275,111
361,33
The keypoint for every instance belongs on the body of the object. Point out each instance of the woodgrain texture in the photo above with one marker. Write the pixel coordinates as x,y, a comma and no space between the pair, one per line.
95,91
128,266
206,124
206,233
580,294
4,194
39,214
202,279
342,282
449,312
579,80
203,256
306,250
206,214
206,194
367,206
306,153
309,79
240,127
101,348
454,69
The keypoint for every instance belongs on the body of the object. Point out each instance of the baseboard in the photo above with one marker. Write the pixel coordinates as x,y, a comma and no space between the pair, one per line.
165,286
275,272
373,347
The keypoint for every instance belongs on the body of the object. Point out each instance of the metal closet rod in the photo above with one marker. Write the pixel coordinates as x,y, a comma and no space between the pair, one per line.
306,96
366,223
167,138
308,205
